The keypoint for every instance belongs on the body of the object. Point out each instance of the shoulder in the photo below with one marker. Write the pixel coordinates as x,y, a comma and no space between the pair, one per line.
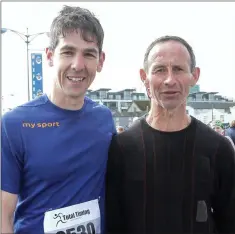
99,109
226,148
129,136
20,113
210,140
215,142
230,140
206,133
100,115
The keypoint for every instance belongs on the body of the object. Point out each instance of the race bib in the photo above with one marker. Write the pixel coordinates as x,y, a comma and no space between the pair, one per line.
83,218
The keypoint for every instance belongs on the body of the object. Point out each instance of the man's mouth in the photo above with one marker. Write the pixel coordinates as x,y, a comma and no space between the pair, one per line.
76,79
170,92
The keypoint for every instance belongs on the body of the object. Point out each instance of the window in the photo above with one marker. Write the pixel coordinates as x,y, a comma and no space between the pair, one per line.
214,117
110,96
204,119
124,104
127,96
113,104
102,94
211,97
93,97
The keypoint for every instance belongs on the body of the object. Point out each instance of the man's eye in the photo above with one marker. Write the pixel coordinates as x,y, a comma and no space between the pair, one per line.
67,53
158,70
177,69
90,55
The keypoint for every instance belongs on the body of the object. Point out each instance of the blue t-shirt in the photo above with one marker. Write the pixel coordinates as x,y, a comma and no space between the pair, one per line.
54,158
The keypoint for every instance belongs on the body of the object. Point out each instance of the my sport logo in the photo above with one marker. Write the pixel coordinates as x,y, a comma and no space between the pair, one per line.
41,125
81,229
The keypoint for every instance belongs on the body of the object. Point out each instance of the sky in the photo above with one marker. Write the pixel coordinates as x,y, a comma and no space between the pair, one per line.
129,29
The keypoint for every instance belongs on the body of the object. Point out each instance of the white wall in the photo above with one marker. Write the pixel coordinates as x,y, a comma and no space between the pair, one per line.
190,110
205,115
233,112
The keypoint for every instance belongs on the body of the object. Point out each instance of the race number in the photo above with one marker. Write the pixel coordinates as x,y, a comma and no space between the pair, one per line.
83,218
81,229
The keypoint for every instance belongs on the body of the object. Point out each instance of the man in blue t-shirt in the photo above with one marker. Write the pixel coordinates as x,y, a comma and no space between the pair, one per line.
55,147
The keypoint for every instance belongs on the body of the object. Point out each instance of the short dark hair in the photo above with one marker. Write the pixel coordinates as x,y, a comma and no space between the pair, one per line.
170,38
72,19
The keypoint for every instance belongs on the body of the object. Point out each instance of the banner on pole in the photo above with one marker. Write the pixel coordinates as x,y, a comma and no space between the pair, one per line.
37,78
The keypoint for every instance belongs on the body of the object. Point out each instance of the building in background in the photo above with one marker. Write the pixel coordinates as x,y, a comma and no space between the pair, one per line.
194,89
128,104
116,101
209,106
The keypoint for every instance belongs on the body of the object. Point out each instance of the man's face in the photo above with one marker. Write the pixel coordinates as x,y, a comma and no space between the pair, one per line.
219,130
75,64
169,76
120,129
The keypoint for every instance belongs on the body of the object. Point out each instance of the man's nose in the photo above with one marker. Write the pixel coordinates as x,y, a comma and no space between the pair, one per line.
170,79
78,63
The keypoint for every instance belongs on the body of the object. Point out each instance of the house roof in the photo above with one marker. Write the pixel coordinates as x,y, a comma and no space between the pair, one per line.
137,93
200,92
203,93
103,89
210,105
121,91
142,104
212,92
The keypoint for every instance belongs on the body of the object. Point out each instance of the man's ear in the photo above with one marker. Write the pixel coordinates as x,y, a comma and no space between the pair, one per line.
195,77
49,55
143,76
101,62
144,79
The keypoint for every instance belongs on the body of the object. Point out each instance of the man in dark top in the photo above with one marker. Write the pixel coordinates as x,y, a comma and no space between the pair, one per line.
169,172
231,131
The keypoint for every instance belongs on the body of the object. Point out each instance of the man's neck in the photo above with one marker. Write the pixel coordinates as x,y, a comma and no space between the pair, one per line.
63,101
168,121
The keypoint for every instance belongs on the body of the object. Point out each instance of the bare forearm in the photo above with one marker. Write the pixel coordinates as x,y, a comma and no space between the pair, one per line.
7,225
9,201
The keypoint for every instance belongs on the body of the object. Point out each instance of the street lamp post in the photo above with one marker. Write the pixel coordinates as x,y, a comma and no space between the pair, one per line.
27,38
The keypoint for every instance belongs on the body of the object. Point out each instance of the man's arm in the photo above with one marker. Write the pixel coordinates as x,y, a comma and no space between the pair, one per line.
231,141
9,201
223,201
11,171
114,219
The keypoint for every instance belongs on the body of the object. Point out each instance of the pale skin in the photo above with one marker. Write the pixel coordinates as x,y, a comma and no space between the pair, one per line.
167,81
73,57
9,202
